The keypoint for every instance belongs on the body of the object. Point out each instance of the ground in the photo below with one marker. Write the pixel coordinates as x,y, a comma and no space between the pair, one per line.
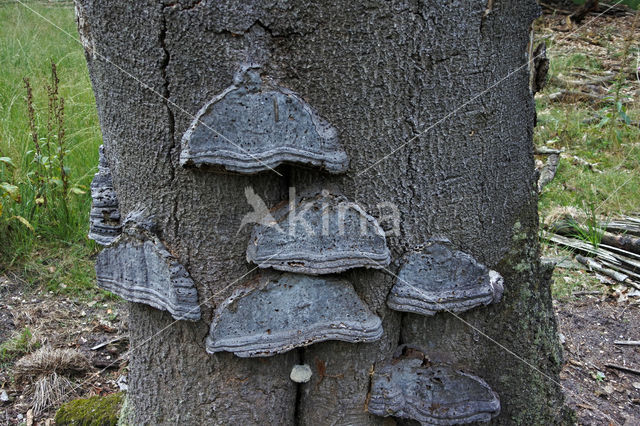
58,321
589,326
50,301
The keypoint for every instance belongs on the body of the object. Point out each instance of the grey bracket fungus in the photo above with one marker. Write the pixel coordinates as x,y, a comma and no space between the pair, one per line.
433,394
438,278
138,267
255,125
279,312
104,217
323,234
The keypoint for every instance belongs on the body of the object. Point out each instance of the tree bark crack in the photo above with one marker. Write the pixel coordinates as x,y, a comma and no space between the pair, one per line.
297,415
166,95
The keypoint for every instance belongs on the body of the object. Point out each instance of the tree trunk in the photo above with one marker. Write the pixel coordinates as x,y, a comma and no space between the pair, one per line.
381,73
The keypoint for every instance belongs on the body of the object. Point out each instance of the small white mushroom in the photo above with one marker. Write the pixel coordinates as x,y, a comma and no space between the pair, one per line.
300,373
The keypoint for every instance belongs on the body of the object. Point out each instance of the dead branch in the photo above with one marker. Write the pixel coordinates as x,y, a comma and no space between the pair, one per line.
621,368
595,266
567,83
624,242
621,226
548,171
586,293
575,96
543,150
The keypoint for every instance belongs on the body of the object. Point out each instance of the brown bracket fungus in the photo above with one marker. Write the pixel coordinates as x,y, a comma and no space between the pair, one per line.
138,268
438,278
255,125
104,218
321,235
412,388
279,312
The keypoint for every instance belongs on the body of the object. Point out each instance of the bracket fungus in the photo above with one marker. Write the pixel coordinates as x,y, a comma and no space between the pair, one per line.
321,235
278,312
104,218
255,125
438,278
411,387
138,268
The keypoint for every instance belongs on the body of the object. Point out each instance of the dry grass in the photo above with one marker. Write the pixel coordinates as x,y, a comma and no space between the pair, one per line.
45,374
558,213
47,361
49,391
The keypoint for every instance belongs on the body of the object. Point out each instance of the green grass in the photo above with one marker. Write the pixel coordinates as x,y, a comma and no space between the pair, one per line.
18,345
28,46
604,134
614,186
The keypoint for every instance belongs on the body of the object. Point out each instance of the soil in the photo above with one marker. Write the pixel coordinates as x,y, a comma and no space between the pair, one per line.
57,321
589,328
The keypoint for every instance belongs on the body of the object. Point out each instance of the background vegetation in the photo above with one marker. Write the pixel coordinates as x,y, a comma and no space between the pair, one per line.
45,242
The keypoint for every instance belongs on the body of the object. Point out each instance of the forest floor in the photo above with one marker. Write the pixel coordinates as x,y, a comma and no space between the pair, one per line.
44,307
597,175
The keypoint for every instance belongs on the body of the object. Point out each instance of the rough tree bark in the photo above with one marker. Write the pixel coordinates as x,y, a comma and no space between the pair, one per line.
381,72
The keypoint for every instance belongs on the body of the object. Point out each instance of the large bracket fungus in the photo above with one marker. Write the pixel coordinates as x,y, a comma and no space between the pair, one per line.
438,278
278,312
321,235
104,218
138,268
255,125
411,387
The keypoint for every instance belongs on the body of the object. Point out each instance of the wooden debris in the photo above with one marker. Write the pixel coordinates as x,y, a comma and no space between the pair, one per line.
559,80
543,150
548,171
108,342
617,263
627,342
586,293
622,368
575,96
627,226
595,266
561,262
584,247
582,162
625,242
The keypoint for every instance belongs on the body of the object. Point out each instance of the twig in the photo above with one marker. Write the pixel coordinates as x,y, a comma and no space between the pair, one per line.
594,81
548,171
594,265
543,150
574,95
108,342
585,406
621,368
584,247
621,226
627,342
586,293
625,271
